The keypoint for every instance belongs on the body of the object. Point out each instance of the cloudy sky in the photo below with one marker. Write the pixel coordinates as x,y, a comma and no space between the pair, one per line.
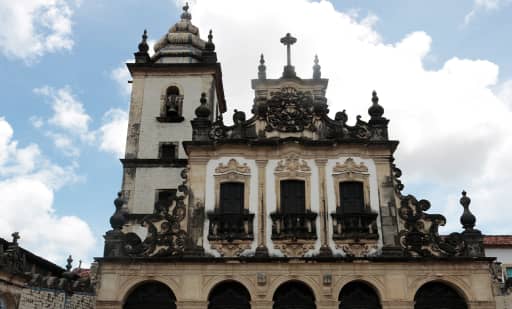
442,70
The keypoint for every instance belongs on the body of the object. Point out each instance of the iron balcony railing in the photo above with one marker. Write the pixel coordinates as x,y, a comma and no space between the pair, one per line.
230,226
293,225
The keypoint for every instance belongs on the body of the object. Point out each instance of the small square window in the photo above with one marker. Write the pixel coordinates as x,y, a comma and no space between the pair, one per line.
168,151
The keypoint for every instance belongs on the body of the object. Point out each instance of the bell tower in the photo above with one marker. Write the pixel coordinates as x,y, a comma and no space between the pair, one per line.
165,92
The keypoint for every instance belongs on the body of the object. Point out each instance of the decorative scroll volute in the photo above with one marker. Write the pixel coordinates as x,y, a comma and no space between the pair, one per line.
293,166
290,110
350,166
232,167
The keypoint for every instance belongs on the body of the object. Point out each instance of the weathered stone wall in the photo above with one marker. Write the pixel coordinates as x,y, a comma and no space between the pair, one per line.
36,298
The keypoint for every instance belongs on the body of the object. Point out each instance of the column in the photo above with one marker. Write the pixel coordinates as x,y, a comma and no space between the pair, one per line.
261,250
325,250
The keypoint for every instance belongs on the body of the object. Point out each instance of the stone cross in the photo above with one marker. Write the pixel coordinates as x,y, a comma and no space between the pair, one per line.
15,237
288,40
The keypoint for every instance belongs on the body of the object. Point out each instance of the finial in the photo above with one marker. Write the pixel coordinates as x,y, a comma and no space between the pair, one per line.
467,219
118,218
288,40
186,15
209,45
316,69
79,264
15,237
262,69
143,45
202,111
69,265
376,111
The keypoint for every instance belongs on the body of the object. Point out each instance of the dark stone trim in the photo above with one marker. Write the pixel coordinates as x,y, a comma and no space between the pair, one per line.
392,145
213,68
329,259
170,119
130,163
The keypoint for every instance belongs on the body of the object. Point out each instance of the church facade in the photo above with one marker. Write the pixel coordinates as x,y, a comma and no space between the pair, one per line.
285,208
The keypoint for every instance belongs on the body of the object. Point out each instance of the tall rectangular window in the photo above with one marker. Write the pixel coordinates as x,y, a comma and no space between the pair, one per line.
293,200
232,198
352,197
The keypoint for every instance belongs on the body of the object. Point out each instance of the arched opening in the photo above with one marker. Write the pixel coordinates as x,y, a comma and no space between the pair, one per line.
358,295
294,295
173,102
438,295
154,295
229,295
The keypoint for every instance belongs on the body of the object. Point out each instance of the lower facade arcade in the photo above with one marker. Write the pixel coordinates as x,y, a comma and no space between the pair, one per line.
297,284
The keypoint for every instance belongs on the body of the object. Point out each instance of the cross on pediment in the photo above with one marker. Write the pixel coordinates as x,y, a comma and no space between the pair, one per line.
288,40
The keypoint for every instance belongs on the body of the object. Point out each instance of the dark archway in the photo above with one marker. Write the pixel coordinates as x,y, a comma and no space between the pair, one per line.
438,295
358,295
154,295
294,295
229,295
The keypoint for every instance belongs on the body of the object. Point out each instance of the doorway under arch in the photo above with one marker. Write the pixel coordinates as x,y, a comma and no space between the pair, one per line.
438,295
294,295
358,295
229,295
153,294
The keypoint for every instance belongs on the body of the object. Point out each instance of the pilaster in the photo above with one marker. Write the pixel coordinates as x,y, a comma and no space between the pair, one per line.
262,249
324,219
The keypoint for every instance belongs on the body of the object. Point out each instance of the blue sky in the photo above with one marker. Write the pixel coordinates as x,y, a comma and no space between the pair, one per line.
65,97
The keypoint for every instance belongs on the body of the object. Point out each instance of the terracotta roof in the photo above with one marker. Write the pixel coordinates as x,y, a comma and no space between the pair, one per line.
498,241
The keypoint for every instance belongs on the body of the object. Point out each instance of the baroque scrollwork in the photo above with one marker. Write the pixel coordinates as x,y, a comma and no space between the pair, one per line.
232,166
290,110
165,234
420,233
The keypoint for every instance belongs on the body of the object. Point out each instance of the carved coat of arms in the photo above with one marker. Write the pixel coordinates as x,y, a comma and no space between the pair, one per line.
290,110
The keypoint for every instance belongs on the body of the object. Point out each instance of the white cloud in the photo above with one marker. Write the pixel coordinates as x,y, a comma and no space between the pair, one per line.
454,129
33,28
484,5
113,132
121,76
68,112
28,183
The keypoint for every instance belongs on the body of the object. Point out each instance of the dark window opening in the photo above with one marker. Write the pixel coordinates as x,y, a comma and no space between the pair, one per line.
164,199
154,295
293,199
358,295
168,151
232,198
351,197
438,295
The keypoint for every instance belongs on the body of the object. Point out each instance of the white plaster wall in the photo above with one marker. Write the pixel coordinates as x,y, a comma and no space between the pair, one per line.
147,181
331,196
503,255
209,203
153,132
271,204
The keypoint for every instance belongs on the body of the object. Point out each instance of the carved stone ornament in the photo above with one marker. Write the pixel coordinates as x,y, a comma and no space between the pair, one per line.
231,249
350,167
293,165
295,248
290,110
358,249
165,235
420,233
234,167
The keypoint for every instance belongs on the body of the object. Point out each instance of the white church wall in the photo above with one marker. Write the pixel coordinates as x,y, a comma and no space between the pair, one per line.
147,181
331,196
209,203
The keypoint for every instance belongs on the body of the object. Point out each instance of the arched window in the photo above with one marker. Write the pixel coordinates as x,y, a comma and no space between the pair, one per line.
358,295
438,295
154,295
229,295
294,295
173,106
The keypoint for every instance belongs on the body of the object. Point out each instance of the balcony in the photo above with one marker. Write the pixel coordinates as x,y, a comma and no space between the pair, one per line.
354,225
230,226
293,225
